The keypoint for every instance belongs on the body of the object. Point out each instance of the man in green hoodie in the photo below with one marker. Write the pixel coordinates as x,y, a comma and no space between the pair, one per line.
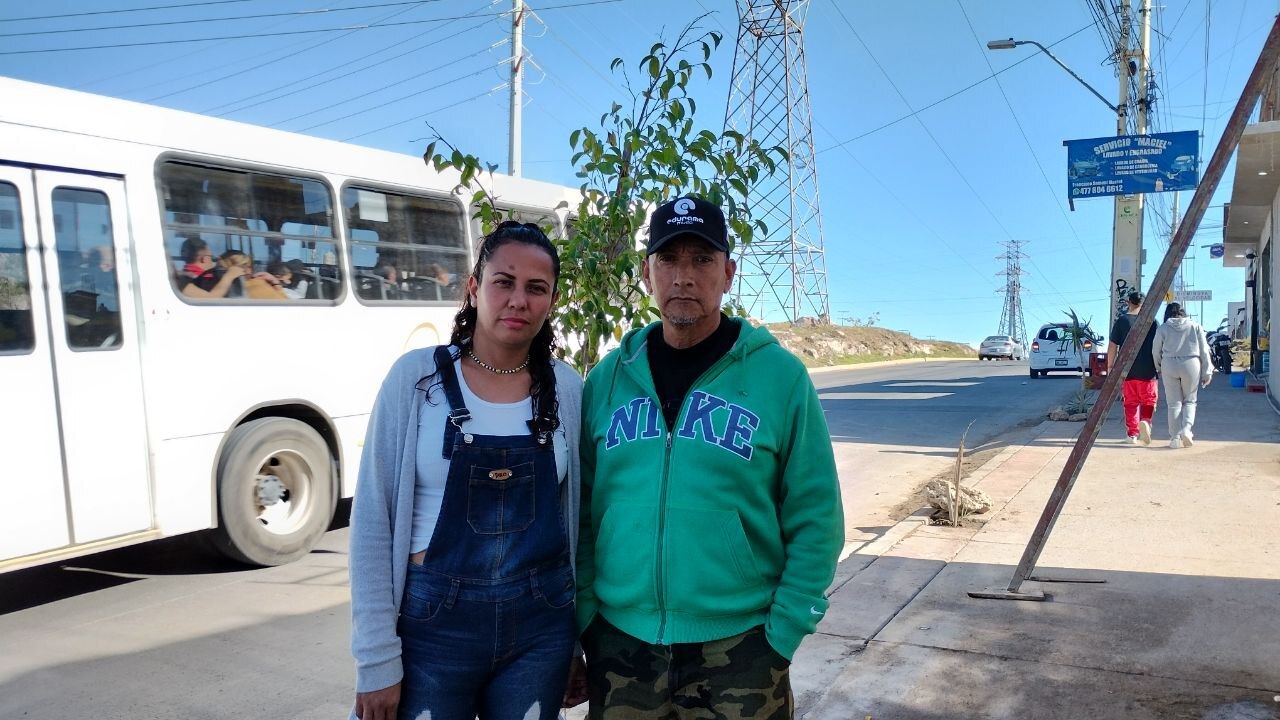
711,520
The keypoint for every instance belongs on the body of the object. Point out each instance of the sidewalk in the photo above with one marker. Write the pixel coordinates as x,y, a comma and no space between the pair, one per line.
1187,624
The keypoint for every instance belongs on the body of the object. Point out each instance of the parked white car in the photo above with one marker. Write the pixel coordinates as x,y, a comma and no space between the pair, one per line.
1001,347
1053,351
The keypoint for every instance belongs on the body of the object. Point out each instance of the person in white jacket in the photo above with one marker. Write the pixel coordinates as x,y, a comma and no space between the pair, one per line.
1181,353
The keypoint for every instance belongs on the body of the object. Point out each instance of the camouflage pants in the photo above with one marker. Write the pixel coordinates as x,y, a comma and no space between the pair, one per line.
737,678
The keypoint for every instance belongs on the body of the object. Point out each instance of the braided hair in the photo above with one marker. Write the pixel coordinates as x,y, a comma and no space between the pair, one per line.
546,406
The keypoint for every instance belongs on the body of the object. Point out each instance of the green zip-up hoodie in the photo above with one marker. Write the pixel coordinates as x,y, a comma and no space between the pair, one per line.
732,520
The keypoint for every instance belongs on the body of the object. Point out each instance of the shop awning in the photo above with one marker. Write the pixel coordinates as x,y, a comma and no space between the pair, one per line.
1253,192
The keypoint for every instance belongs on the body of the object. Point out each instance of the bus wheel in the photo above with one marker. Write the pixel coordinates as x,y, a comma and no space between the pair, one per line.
275,491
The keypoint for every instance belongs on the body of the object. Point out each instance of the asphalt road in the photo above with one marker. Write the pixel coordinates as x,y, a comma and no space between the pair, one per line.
895,426
163,631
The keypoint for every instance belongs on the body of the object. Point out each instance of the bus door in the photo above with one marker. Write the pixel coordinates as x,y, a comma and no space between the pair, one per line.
34,514
91,320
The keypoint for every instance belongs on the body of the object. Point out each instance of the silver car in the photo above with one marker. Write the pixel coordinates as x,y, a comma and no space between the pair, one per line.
1001,347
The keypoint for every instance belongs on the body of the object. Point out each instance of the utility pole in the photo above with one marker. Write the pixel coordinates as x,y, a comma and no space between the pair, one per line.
1126,245
517,72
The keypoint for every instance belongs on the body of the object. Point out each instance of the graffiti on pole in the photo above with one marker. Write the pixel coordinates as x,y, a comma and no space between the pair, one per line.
1122,296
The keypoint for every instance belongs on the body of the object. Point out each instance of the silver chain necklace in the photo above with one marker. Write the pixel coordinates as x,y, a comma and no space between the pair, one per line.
498,371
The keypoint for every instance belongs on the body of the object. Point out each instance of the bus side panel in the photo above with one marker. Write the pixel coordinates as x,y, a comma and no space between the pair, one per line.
183,502
351,431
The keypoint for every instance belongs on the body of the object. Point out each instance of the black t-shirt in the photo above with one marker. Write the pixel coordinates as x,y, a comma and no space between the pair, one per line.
1144,366
674,371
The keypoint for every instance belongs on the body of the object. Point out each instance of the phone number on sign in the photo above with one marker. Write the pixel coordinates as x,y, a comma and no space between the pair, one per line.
1098,190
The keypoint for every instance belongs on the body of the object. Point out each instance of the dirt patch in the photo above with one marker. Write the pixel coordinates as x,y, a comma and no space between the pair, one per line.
973,459
828,345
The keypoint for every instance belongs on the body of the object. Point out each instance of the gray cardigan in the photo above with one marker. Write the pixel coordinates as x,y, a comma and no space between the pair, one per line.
382,512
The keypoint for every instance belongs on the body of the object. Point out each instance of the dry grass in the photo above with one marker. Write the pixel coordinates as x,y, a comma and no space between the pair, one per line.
826,345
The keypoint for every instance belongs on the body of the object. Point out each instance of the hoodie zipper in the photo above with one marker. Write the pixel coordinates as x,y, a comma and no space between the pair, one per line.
663,491
659,575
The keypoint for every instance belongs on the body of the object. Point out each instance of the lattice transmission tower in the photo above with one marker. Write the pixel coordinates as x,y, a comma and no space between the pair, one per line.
782,272
1011,320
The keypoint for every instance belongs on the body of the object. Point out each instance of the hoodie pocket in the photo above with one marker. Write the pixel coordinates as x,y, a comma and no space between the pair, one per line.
625,553
710,567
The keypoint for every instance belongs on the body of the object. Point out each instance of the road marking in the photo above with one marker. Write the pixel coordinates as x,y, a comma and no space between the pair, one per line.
881,396
934,383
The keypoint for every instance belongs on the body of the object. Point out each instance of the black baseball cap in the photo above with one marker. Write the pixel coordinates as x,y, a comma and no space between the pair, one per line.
687,216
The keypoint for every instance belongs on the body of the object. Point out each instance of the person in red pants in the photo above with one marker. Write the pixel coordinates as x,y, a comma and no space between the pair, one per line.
1141,391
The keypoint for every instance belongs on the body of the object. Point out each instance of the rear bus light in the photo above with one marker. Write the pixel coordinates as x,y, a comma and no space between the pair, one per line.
1035,346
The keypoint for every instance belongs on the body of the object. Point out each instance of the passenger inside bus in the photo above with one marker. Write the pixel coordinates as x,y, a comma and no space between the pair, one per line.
390,289
282,273
252,285
198,278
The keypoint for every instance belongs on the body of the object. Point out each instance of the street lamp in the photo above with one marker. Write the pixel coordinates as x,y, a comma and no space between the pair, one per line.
1011,44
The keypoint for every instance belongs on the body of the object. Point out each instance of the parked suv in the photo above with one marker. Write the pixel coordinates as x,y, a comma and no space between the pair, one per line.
1001,346
1053,349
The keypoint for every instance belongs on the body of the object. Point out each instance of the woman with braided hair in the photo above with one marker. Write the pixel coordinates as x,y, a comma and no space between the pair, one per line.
463,527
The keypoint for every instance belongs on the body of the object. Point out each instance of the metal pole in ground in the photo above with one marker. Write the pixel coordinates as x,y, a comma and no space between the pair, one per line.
1159,286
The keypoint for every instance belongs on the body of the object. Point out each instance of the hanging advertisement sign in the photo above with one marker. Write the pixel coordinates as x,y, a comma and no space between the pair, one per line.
1098,167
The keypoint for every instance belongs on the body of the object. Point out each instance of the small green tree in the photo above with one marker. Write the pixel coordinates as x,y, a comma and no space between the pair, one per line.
639,155
1078,337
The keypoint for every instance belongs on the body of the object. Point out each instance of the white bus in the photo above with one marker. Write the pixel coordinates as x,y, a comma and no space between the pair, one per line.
140,395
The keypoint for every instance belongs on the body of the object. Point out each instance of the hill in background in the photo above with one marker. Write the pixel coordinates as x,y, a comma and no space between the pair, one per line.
826,345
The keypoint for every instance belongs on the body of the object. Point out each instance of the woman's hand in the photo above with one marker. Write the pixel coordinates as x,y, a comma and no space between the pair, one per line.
379,704
575,691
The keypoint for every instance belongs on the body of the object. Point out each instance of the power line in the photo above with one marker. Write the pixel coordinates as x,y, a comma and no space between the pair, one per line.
442,108
152,63
296,89
415,93
1204,96
124,10
376,23
192,21
1030,148
582,3
366,94
939,101
923,126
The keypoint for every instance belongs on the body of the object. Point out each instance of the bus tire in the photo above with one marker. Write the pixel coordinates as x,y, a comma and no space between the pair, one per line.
275,491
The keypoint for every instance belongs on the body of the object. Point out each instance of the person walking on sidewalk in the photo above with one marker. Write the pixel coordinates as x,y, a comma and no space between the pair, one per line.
1140,388
1182,354
711,519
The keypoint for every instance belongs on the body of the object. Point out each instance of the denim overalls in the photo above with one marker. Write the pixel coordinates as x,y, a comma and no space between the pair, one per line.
487,624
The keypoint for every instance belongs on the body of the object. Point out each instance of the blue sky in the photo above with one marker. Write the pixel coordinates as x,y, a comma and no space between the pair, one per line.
913,213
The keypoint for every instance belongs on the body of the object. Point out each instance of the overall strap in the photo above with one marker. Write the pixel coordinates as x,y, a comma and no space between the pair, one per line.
458,412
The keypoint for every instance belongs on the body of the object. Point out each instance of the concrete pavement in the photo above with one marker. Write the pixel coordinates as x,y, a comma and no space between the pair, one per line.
1187,624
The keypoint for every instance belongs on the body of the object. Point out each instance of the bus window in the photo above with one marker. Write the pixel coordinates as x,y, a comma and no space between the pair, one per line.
405,248
283,224
87,268
17,334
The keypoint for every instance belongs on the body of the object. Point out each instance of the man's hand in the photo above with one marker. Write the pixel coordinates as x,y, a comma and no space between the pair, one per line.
1204,382
379,704
575,691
